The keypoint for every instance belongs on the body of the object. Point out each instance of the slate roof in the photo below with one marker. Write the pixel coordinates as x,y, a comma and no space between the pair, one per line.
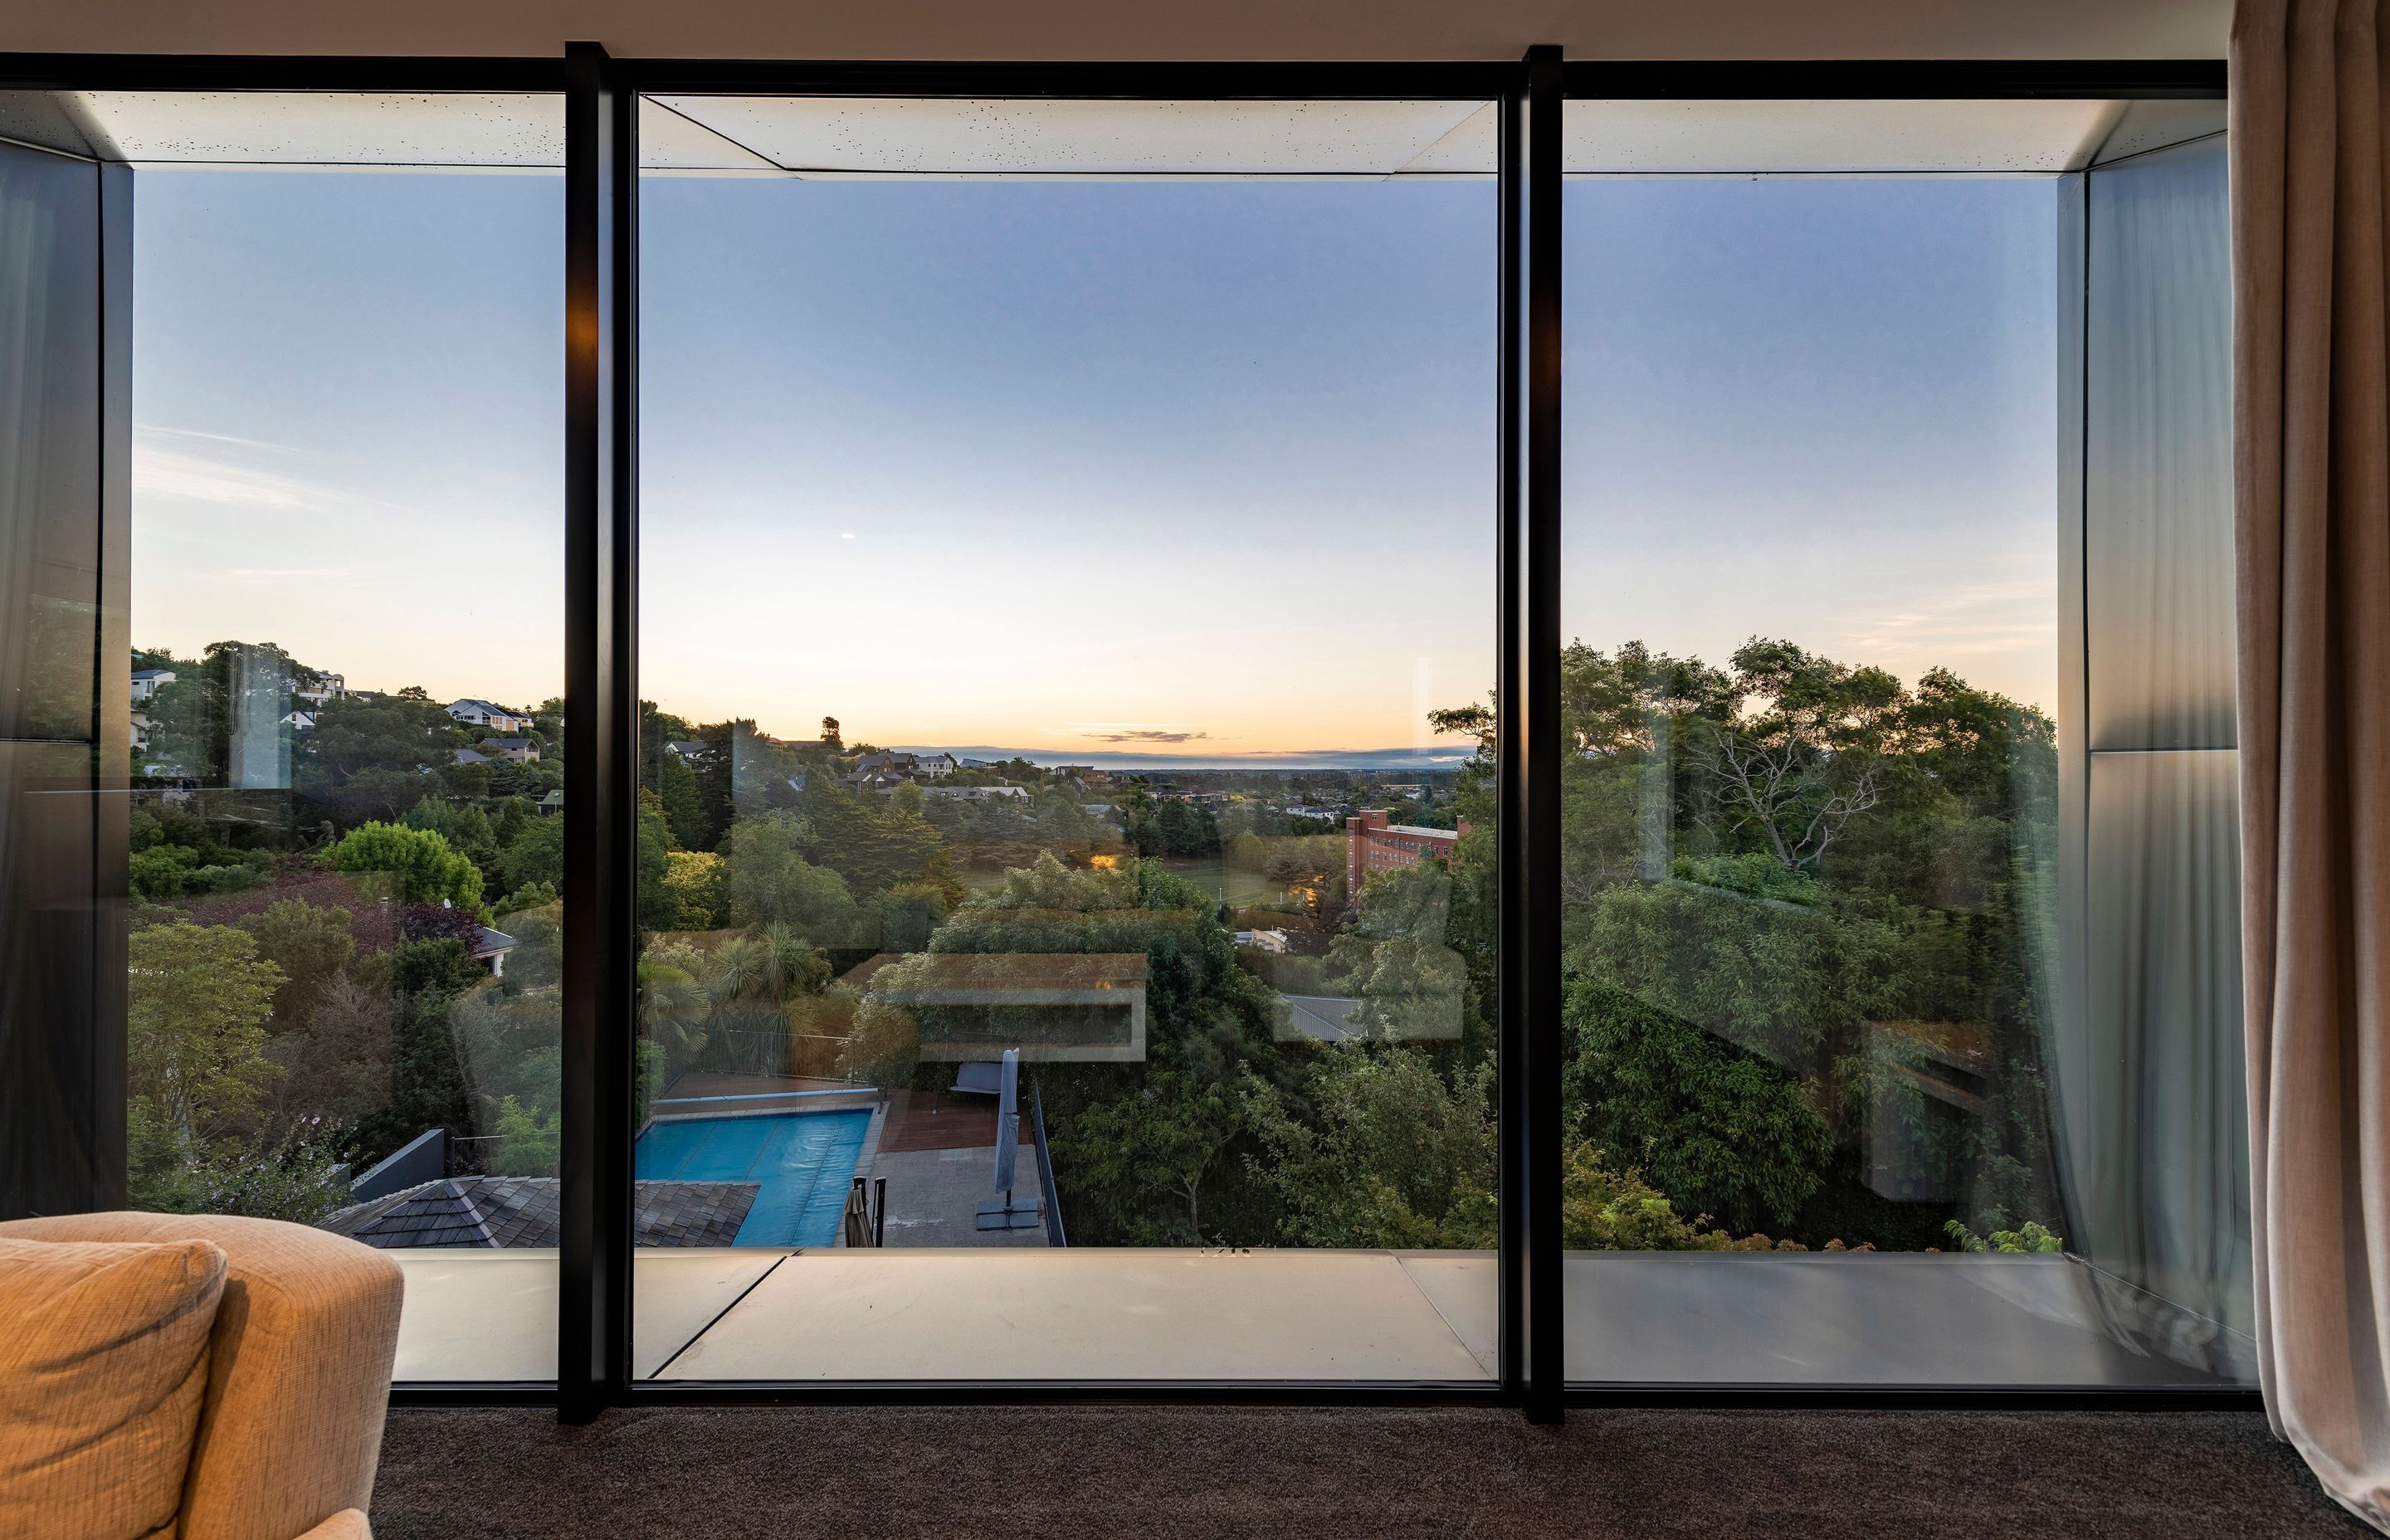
523,1210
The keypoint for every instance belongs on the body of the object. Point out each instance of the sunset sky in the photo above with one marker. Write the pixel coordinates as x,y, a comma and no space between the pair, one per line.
1165,468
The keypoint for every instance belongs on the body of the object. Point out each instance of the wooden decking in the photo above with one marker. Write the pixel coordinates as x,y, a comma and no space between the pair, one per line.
942,1120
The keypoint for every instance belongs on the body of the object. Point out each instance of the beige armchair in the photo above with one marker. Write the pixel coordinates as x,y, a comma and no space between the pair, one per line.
298,1377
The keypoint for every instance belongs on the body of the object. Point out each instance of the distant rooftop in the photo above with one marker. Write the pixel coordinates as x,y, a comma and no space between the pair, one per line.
523,1212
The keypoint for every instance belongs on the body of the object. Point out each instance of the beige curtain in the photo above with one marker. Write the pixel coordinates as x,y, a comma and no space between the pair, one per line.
2311,409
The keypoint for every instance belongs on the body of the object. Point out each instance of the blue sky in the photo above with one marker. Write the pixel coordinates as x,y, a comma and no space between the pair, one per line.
1820,408
1183,468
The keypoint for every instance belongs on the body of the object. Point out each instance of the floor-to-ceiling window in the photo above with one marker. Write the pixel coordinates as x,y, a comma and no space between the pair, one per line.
1067,625
344,614
1898,940
1065,880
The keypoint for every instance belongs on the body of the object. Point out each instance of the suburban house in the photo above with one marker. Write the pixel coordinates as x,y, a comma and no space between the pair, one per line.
147,681
687,749
976,793
485,714
468,756
317,687
885,762
298,720
522,751
491,947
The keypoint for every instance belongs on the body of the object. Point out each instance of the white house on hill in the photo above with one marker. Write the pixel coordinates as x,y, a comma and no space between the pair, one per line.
487,713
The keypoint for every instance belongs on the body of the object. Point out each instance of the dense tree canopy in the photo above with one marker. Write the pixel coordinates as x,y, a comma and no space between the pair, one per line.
427,869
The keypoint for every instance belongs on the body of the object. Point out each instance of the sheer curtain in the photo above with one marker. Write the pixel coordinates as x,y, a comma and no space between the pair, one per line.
2311,370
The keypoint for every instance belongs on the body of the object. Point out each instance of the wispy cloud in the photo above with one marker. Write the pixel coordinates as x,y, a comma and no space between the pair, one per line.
1996,616
1148,735
189,465
1125,732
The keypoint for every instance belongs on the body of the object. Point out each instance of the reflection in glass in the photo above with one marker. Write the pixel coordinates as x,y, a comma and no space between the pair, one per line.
1866,953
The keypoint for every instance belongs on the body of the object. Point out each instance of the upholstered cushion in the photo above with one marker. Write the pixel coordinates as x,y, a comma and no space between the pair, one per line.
103,1366
300,1374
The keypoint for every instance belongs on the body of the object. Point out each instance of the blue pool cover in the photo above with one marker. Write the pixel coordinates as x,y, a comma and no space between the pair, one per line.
803,1159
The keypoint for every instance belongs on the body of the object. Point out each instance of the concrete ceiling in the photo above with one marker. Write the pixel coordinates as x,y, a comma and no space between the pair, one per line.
1111,29
947,138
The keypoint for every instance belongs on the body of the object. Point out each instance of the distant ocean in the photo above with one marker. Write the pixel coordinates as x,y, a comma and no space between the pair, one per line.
1439,758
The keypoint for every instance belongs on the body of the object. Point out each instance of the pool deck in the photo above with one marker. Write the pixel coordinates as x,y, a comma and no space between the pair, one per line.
937,1153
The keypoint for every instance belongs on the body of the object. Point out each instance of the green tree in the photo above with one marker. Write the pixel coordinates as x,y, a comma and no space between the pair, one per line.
428,1086
337,1063
1791,775
1375,1148
1138,1164
467,829
767,881
694,880
311,943
428,871
669,777
534,855
367,758
870,842
198,998
526,1143
910,914
658,905
1722,1130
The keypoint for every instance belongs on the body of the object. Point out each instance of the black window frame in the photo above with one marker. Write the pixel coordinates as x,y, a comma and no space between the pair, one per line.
600,480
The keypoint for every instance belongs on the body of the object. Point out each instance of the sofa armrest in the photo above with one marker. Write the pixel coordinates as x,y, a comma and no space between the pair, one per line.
347,1525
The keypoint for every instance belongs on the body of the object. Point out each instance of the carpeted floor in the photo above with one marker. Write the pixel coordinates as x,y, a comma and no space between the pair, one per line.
1317,1473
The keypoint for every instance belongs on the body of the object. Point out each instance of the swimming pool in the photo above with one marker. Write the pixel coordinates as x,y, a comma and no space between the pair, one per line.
803,1159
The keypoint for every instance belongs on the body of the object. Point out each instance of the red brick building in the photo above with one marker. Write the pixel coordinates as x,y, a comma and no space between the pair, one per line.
1374,845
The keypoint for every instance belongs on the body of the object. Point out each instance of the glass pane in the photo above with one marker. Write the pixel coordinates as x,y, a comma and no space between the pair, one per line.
1888,1063
346,612
1069,930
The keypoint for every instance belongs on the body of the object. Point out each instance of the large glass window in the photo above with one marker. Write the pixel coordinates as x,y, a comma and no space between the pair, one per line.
1065,867
1898,773
346,617
1068,919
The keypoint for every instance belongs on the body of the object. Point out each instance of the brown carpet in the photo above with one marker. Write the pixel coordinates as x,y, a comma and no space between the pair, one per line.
1316,1473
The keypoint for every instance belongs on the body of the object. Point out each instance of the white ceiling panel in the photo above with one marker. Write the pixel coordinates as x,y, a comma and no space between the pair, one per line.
989,137
295,128
2147,125
669,142
1646,138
